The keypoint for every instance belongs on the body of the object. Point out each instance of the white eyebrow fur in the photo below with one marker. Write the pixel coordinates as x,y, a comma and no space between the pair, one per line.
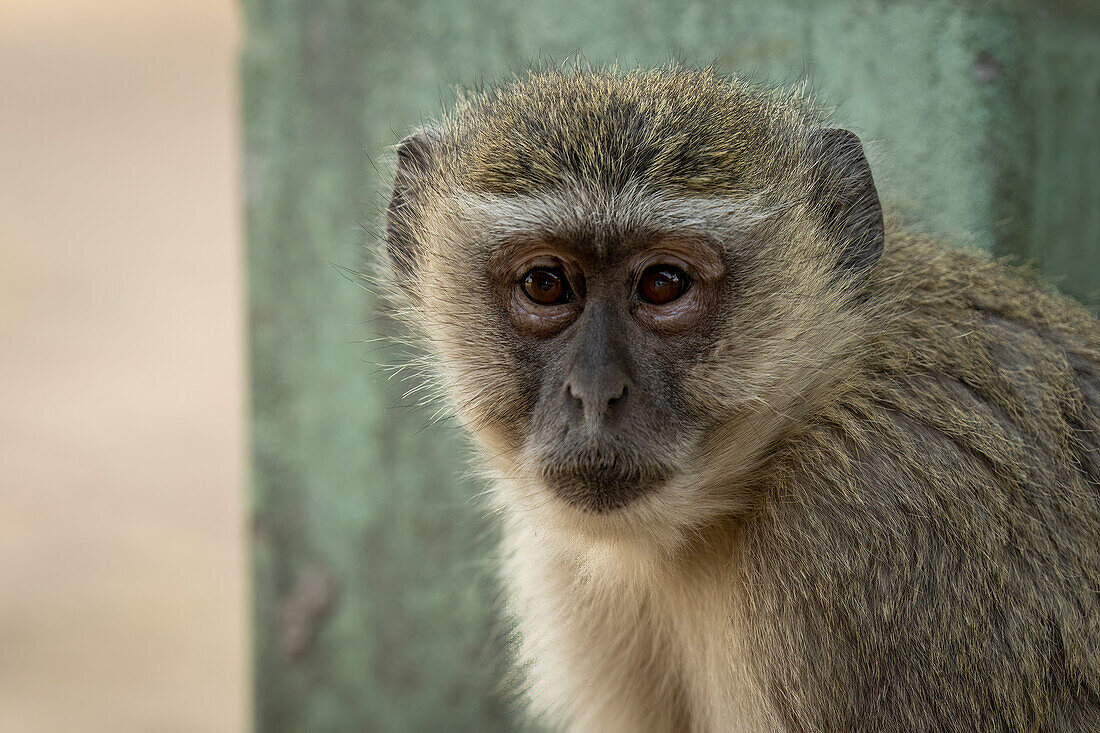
498,218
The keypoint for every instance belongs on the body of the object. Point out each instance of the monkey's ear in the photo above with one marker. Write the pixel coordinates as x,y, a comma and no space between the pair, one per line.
845,194
414,157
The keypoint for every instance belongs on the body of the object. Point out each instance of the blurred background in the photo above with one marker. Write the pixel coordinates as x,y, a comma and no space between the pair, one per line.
173,171
122,434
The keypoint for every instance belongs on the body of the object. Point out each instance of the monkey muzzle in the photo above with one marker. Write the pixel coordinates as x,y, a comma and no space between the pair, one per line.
601,481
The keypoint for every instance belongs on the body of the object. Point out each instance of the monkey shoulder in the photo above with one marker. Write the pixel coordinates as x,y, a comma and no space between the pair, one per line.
931,539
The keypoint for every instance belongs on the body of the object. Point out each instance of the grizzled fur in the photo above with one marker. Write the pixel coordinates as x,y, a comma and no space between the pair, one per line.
679,131
884,503
927,552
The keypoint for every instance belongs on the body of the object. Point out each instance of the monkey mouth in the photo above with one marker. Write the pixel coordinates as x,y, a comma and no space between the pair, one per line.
600,489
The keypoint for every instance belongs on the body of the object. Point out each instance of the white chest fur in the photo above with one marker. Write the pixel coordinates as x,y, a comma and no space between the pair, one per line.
614,639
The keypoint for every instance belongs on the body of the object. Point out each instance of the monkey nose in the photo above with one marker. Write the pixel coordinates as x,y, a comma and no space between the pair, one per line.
596,397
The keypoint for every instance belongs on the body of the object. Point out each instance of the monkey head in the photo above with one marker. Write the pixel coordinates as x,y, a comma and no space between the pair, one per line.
632,282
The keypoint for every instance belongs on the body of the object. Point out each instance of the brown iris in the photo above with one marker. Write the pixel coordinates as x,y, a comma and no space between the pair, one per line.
662,284
546,286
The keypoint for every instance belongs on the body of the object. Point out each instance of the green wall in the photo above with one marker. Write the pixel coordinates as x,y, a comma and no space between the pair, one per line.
374,593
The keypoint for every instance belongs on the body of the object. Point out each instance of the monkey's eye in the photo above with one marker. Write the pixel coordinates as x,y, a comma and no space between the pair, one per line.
546,286
662,284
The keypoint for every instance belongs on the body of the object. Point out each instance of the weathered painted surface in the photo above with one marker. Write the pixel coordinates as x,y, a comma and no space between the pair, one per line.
373,575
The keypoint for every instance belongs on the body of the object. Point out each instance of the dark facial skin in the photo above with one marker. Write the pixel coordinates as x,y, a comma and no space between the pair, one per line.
607,328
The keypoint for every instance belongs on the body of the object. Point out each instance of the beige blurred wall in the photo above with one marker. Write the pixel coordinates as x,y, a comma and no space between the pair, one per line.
122,563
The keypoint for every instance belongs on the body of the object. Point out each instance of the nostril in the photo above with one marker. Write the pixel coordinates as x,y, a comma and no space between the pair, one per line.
622,395
573,392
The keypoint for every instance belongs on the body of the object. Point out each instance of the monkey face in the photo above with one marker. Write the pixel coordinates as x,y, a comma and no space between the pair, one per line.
579,335
605,348
603,326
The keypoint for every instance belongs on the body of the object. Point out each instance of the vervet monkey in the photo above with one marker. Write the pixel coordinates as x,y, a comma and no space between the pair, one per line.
763,463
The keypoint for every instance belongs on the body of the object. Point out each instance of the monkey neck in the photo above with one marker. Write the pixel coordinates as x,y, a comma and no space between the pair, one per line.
631,553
